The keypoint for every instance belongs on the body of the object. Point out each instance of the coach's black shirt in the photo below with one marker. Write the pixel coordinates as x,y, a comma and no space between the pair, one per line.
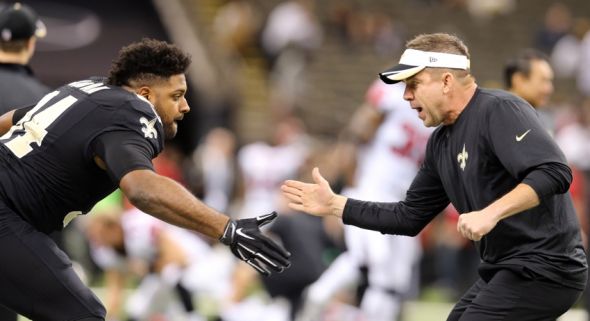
47,159
496,143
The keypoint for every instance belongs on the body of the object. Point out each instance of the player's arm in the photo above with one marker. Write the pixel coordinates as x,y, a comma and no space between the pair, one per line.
127,158
364,123
12,117
169,201
6,122
170,252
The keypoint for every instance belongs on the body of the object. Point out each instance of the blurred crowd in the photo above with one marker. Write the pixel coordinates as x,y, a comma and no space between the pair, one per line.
153,271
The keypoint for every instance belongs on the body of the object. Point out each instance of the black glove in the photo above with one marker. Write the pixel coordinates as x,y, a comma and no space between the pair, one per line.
247,243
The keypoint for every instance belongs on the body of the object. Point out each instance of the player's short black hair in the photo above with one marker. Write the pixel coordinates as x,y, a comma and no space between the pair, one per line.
147,60
521,63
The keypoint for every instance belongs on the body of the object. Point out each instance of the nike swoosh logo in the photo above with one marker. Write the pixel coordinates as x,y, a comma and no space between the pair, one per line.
242,234
519,138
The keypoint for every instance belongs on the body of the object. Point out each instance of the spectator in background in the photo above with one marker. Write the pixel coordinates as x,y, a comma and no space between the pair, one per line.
20,28
485,10
583,77
236,27
290,37
214,169
530,76
566,55
557,23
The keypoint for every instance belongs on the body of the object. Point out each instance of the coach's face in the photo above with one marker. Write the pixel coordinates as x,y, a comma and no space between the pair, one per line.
169,101
424,91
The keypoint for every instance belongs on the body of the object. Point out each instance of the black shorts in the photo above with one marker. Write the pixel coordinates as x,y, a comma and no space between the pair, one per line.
36,277
511,296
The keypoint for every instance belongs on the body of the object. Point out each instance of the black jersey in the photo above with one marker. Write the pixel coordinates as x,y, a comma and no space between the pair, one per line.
496,143
47,159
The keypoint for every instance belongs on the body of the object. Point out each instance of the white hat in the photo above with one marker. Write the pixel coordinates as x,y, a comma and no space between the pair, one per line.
413,61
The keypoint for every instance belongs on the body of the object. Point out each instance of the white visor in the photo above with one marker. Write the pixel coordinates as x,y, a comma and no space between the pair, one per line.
413,61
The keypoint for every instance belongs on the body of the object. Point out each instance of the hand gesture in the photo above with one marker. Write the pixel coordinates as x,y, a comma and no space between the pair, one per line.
314,198
246,242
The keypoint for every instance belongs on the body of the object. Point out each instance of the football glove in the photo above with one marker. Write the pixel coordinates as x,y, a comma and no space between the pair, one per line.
246,242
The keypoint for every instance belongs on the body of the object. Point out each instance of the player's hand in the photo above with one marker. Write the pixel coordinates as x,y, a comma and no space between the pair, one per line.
315,198
474,225
248,244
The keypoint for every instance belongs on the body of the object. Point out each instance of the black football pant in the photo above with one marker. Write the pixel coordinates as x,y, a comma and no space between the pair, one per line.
510,296
36,277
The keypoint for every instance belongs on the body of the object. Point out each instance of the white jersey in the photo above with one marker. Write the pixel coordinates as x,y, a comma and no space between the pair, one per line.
386,168
388,164
264,168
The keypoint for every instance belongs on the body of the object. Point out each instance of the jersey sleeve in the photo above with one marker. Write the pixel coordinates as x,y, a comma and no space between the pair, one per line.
525,148
134,137
123,152
425,199
138,116
20,113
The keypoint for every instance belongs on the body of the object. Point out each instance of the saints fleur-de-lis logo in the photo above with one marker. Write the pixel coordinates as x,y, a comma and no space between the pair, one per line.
148,127
462,158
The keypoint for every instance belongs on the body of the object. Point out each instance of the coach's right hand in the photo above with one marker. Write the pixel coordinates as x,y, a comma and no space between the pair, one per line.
314,198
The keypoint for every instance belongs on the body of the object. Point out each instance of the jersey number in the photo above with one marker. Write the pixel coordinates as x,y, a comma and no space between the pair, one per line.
32,128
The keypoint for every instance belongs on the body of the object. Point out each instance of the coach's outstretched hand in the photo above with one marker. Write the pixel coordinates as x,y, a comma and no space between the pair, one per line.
314,198
247,243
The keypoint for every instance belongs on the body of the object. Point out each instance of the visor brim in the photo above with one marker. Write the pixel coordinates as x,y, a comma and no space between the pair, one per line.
399,72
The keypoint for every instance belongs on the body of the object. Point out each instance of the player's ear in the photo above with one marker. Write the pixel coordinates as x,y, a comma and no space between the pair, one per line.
145,92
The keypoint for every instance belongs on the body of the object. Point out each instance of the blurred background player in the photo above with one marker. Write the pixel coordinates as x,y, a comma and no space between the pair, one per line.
161,254
263,165
390,143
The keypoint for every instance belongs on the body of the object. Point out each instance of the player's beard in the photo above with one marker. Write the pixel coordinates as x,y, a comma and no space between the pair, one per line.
170,130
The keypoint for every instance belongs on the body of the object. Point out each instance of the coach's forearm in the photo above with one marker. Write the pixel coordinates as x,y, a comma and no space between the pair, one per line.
521,198
171,202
